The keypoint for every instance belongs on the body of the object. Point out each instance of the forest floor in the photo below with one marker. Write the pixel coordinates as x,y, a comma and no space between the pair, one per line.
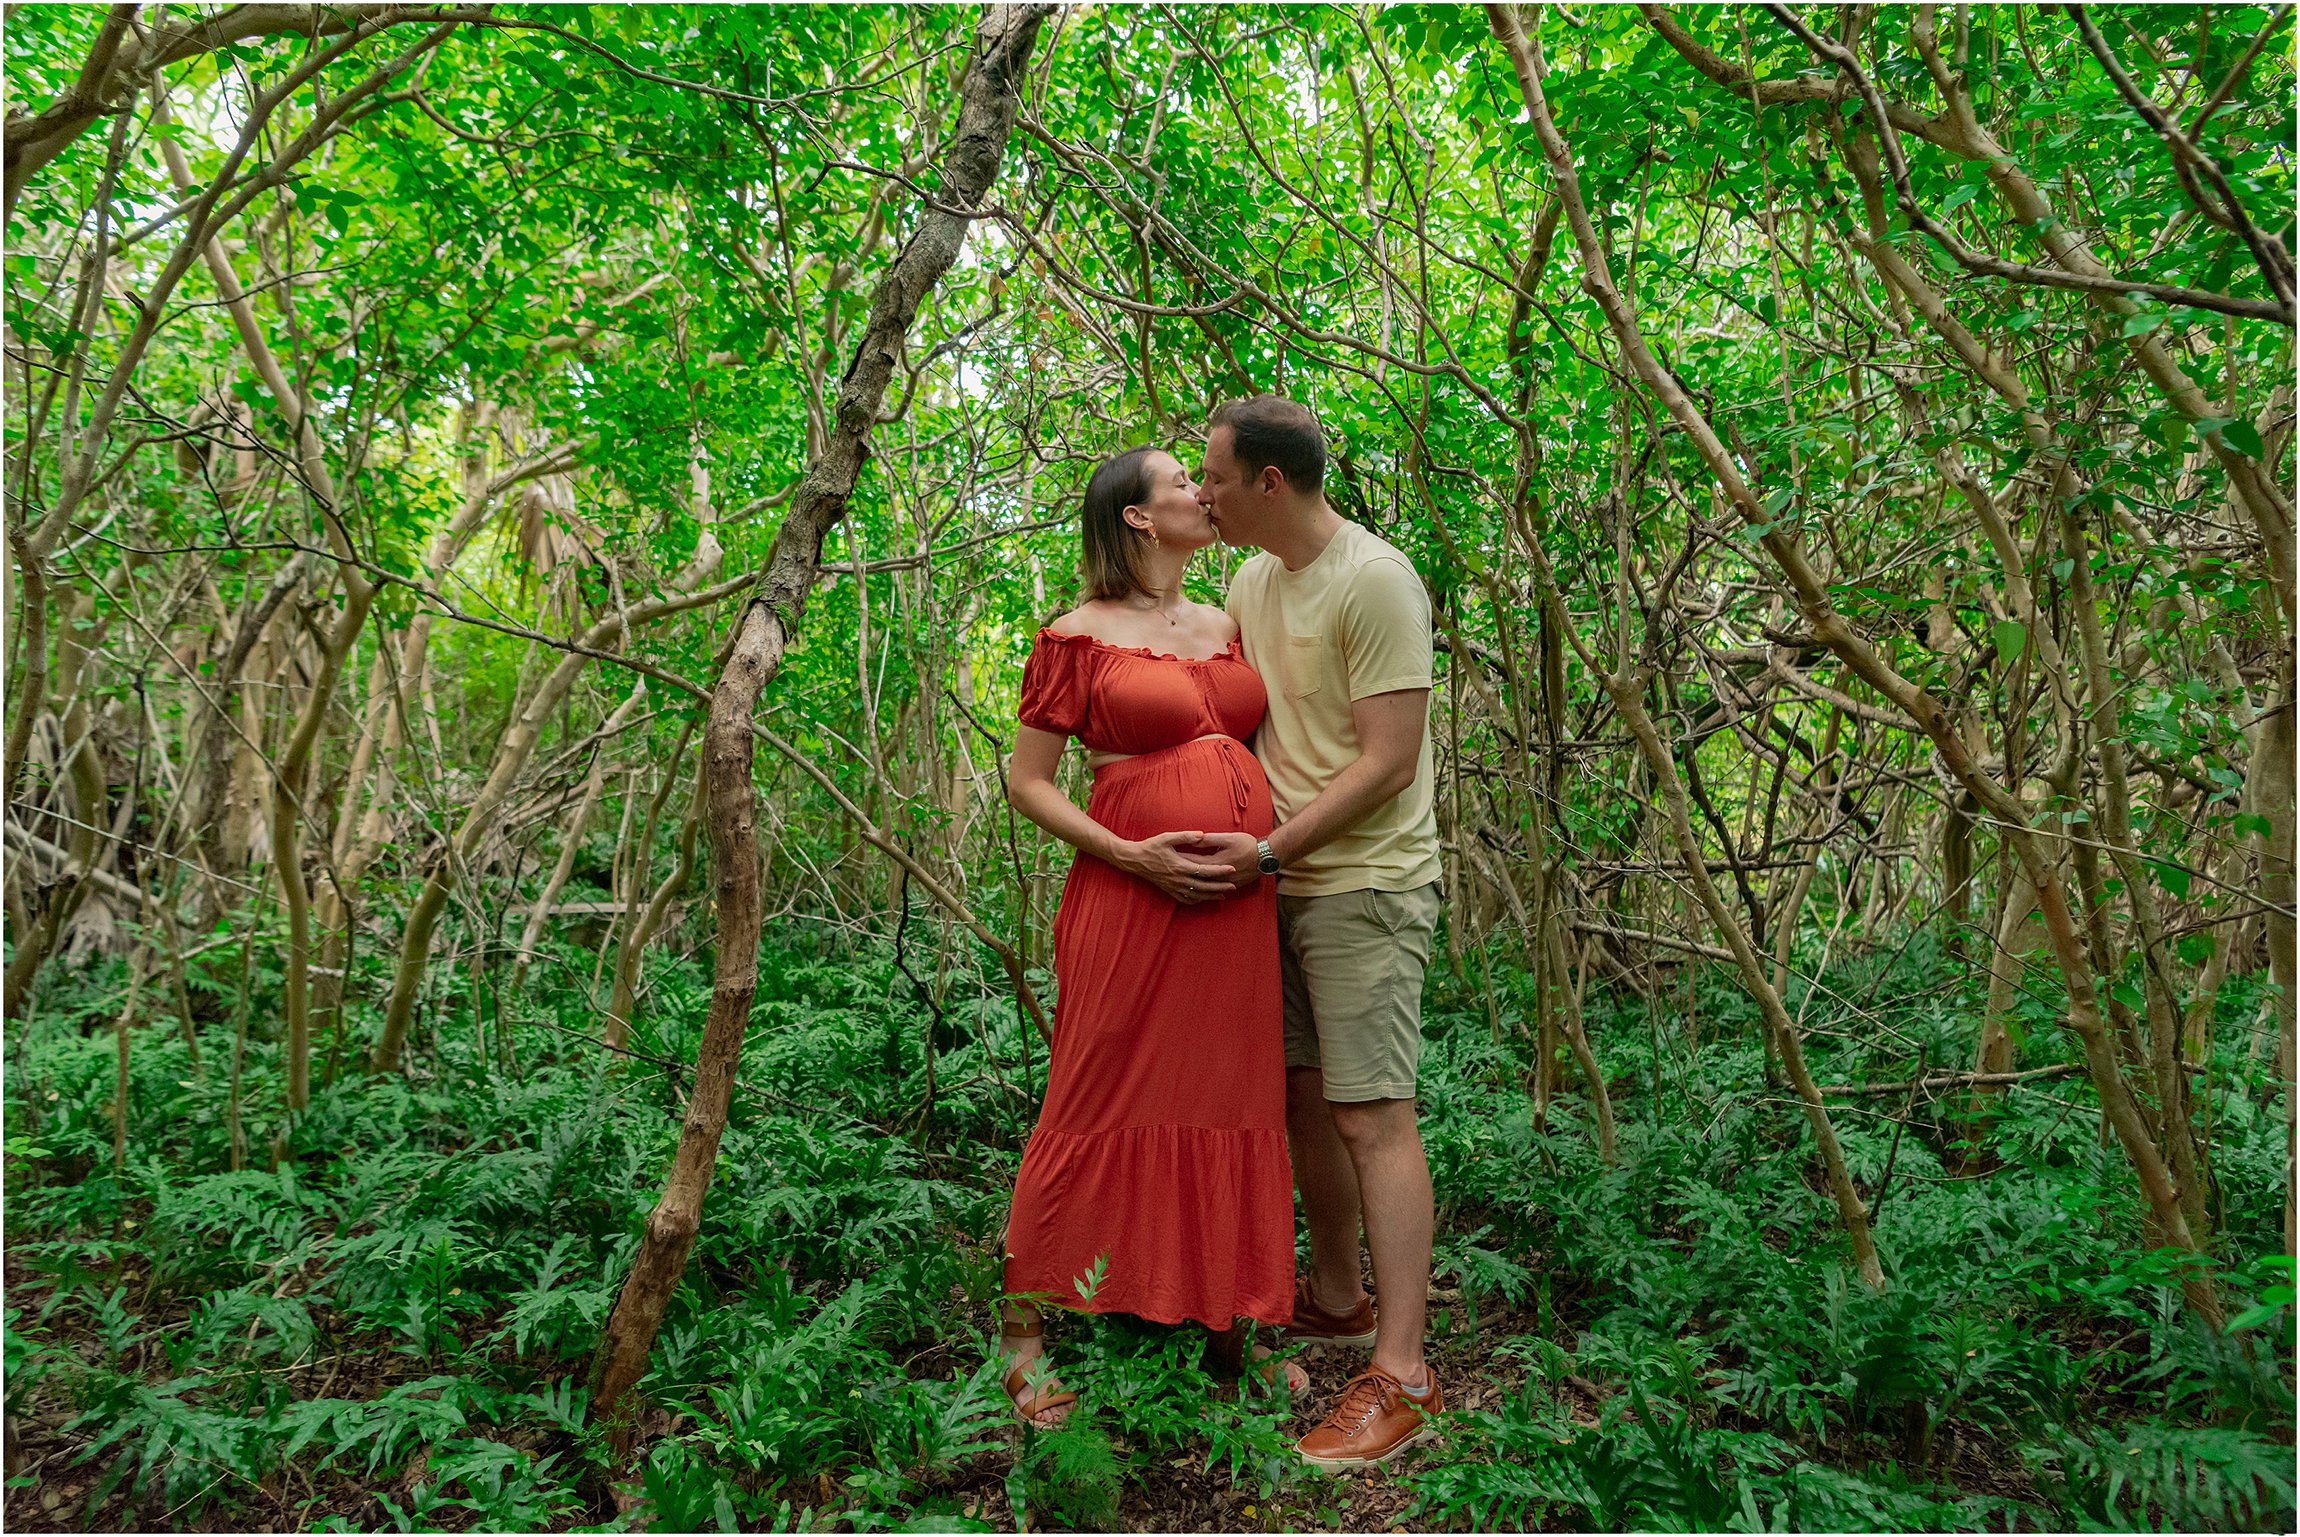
389,1329
1177,1494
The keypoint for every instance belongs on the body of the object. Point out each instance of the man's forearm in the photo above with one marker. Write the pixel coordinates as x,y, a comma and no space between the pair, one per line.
1354,794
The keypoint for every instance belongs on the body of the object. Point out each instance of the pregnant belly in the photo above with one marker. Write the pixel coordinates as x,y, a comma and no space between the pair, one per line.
1210,785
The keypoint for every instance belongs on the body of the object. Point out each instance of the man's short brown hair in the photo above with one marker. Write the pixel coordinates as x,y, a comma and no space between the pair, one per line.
1272,430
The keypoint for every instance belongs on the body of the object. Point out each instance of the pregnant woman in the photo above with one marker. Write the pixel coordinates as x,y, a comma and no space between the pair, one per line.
1158,1165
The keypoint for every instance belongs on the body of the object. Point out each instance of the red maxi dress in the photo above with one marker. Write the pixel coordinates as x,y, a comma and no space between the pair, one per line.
1161,1148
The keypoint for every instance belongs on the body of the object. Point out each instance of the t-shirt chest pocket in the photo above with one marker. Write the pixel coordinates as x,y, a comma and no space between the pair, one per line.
1305,665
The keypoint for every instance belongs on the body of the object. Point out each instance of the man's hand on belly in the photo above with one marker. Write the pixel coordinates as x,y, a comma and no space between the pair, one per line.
1236,852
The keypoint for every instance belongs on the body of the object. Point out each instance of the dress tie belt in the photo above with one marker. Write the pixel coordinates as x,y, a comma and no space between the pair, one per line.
1235,757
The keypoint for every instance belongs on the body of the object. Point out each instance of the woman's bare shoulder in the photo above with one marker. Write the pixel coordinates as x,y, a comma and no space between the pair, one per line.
1088,619
1218,622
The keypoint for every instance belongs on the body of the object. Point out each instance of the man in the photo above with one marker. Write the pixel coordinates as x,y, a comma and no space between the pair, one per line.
1338,625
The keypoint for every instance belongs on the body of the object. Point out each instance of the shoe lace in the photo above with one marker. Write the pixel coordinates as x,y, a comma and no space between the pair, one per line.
1362,1398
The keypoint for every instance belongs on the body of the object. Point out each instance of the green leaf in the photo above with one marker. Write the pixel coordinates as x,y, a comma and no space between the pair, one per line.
2011,637
2173,878
1958,199
2128,995
2256,1315
2243,437
1779,499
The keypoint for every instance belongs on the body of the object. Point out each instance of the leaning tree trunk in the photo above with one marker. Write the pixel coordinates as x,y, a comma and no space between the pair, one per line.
1627,687
988,96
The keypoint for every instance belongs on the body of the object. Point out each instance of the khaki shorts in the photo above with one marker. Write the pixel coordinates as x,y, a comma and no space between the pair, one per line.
1351,965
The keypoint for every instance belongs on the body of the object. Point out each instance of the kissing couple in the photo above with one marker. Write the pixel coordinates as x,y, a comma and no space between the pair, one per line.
1239,950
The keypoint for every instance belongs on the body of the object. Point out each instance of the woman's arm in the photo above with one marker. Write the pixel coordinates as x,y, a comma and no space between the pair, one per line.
1031,788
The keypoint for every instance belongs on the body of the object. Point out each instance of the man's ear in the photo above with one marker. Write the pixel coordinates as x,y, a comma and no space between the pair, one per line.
1273,480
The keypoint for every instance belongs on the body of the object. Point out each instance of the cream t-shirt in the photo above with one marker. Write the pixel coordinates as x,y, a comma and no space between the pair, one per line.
1353,622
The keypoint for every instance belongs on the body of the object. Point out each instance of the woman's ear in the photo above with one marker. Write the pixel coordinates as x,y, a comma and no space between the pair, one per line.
1137,517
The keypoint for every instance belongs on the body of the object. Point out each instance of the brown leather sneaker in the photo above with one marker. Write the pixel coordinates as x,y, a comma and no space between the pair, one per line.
1374,1419
1316,1329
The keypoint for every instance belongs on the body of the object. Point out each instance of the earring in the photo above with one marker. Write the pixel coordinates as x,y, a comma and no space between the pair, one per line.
1154,544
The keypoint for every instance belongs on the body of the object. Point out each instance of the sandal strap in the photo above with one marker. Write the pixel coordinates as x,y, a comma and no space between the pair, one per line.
1040,1400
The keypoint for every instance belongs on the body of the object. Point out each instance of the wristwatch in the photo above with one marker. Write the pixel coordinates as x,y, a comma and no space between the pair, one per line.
1268,860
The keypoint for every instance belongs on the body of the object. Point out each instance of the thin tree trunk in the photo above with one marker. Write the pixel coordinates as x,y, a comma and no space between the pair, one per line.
1995,1051
138,965
2272,762
623,998
570,841
288,790
1600,1102
989,94
216,755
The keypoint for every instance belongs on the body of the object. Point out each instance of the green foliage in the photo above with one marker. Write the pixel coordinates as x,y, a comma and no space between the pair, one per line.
408,1308
1070,1476
1651,1466
379,1312
2155,1477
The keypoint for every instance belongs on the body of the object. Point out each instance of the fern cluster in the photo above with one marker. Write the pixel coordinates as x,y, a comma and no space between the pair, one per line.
384,1317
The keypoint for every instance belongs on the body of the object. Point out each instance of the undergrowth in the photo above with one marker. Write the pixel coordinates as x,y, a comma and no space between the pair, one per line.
383,1319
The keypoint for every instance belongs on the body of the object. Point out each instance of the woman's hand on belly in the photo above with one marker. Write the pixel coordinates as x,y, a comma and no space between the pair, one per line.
1160,861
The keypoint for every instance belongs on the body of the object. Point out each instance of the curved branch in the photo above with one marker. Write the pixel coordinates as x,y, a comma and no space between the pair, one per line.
1889,139
118,66
2268,252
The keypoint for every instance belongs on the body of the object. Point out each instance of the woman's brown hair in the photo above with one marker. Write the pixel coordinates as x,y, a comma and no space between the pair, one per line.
1110,556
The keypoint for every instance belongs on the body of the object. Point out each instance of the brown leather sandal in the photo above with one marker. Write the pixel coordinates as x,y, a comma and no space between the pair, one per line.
1226,1357
1017,1378
1284,1373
